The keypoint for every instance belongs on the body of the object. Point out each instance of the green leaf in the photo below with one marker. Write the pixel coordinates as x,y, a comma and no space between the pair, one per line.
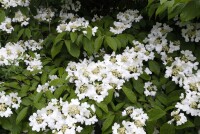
49,95
174,96
72,48
22,114
98,112
98,42
108,122
89,33
175,10
155,114
79,40
197,121
55,50
26,101
129,94
119,106
163,7
170,86
109,98
150,127
154,67
188,124
138,85
2,16
111,43
167,129
162,1
59,37
145,76
57,82
44,77
122,38
37,97
190,11
59,91
87,130
14,85
61,71
88,46
20,33
162,98
152,9
118,43
73,36
103,106
28,33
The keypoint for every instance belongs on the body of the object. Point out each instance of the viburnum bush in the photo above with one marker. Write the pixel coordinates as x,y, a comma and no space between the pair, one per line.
99,67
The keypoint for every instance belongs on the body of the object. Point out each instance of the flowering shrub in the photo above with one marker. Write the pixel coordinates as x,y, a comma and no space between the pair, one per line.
70,67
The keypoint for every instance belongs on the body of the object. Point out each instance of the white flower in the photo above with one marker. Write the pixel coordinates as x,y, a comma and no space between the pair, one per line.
178,117
63,117
125,21
34,64
6,25
19,17
150,89
13,3
44,14
7,102
94,30
95,79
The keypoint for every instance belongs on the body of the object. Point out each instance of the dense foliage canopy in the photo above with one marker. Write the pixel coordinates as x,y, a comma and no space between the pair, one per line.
108,66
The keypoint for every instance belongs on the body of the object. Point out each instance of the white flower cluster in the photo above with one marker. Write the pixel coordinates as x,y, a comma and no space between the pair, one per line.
33,62
150,89
14,3
33,45
96,18
63,117
125,21
182,70
94,30
72,22
19,17
46,86
94,79
13,53
191,32
135,126
6,25
7,102
65,16
44,14
179,118
182,67
77,24
157,41
69,5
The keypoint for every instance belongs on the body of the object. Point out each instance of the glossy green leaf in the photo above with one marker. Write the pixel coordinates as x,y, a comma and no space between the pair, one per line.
167,129
56,49
111,43
108,122
98,43
72,48
129,94
73,36
22,114
155,114
154,67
